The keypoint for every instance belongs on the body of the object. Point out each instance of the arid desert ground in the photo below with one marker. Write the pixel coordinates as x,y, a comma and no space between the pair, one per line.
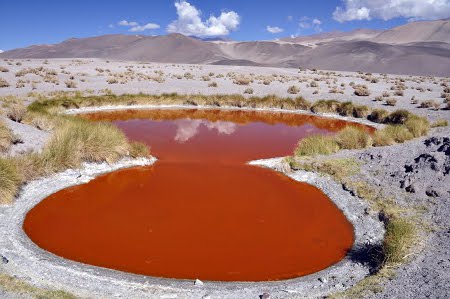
414,175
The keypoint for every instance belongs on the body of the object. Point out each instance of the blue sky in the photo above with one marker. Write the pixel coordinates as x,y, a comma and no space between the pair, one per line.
25,23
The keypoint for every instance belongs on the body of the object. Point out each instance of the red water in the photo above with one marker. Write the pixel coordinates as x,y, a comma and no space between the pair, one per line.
200,211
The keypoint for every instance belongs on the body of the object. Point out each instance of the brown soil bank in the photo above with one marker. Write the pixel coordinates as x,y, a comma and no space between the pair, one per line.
200,212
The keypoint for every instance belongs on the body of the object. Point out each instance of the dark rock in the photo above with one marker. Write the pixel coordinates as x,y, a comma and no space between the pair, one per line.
264,296
410,189
4,260
431,192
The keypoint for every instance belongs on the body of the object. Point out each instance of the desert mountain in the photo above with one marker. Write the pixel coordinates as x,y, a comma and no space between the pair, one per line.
419,48
417,32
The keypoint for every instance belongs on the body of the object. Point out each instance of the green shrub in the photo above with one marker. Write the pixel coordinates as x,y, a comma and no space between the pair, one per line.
353,138
316,145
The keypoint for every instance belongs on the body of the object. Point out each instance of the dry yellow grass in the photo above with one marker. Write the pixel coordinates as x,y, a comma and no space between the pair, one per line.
6,137
316,145
353,138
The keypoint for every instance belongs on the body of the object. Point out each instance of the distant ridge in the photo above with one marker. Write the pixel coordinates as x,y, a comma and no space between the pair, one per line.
418,48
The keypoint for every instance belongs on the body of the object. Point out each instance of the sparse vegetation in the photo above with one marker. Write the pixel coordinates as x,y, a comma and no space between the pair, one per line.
13,284
9,181
325,106
3,83
353,138
293,90
378,115
440,123
391,102
16,112
418,126
6,137
248,91
400,235
316,145
361,90
70,84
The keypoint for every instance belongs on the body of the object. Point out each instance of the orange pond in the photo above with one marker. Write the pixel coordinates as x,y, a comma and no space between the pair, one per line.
200,211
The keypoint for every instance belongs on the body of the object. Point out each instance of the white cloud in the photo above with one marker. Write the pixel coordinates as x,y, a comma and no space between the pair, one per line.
389,9
274,29
148,26
127,24
189,22
306,23
135,27
1,51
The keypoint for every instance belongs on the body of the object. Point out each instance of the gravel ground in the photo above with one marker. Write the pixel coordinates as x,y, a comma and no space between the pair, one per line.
416,174
31,139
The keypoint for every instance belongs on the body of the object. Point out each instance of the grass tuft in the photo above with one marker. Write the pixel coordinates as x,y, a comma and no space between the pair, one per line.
6,137
418,126
400,235
316,145
9,181
353,138
440,123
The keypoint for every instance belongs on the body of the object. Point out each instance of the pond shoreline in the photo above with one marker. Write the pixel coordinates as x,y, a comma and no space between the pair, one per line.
33,264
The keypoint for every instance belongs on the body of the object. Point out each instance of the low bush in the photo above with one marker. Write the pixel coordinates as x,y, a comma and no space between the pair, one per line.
293,90
361,111
398,117
248,91
3,83
316,145
325,106
391,102
346,109
378,115
242,81
361,90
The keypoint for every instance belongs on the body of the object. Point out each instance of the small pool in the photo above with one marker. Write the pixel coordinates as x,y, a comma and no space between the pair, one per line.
200,211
